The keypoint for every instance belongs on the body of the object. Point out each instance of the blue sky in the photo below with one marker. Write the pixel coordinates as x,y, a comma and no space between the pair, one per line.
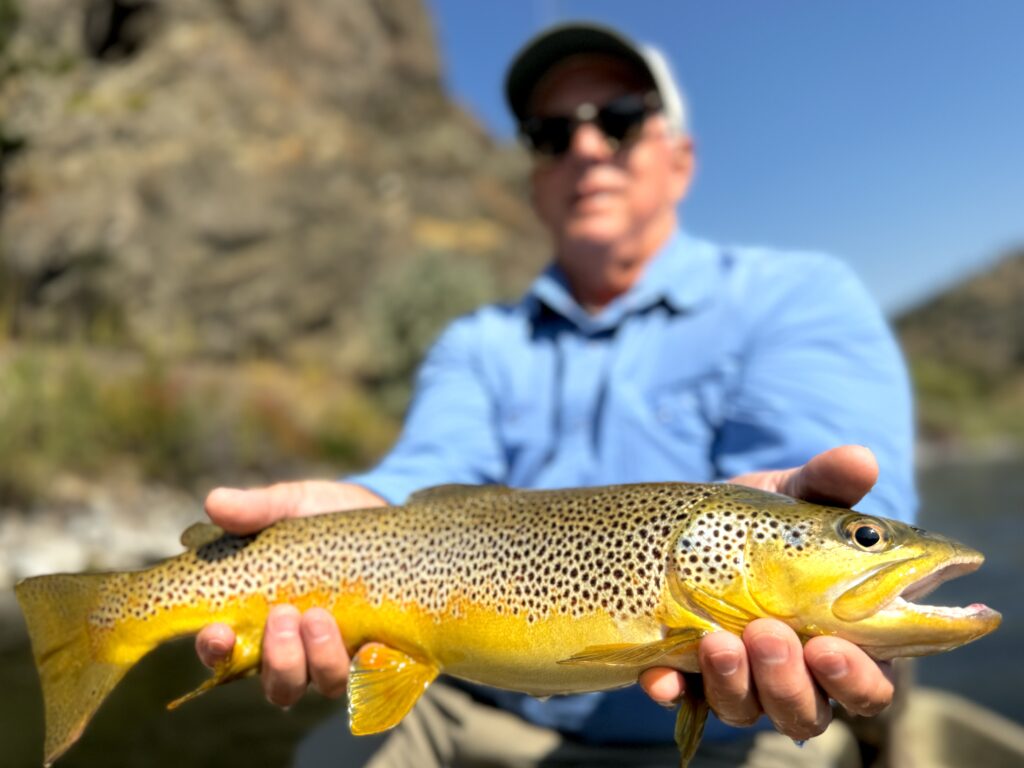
888,133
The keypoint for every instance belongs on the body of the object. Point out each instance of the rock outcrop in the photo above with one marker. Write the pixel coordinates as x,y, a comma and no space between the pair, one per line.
227,177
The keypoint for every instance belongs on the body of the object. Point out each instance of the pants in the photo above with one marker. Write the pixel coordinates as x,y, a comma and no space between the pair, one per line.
449,729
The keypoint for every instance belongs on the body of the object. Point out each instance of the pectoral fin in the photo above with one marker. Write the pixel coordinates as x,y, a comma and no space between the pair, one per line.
693,713
724,614
383,685
638,655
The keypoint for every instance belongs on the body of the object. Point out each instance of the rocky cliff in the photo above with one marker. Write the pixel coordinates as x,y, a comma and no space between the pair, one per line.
194,196
227,177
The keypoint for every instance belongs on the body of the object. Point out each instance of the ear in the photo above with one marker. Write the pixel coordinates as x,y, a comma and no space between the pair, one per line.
683,165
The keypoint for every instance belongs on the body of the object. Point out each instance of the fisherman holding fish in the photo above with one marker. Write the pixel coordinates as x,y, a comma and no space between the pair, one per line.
641,354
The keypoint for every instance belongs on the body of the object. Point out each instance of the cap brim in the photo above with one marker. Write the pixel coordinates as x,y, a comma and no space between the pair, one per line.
552,46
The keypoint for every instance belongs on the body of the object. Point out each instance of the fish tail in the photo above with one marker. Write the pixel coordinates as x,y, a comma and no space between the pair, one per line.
77,666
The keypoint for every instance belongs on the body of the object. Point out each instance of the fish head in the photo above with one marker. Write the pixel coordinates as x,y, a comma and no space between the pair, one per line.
824,571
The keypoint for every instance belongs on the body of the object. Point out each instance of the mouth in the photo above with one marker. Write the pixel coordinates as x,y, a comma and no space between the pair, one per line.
588,195
974,614
903,627
595,185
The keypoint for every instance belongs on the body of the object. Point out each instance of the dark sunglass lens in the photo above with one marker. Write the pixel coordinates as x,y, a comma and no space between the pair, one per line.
548,135
619,118
619,126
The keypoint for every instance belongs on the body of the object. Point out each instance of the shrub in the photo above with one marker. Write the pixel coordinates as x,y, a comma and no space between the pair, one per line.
404,312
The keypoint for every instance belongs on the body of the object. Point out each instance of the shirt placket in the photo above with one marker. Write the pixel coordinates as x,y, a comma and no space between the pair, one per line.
584,367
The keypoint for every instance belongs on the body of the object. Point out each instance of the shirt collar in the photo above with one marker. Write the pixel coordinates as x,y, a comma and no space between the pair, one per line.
682,274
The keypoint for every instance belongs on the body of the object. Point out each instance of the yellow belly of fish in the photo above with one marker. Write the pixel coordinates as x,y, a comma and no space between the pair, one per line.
500,650
478,644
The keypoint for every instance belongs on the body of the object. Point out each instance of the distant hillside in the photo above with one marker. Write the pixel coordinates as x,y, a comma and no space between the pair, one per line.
966,348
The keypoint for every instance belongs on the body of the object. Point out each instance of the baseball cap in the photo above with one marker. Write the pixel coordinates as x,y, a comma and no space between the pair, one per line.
563,40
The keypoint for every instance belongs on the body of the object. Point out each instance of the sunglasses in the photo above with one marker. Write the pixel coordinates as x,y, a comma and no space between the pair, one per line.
619,121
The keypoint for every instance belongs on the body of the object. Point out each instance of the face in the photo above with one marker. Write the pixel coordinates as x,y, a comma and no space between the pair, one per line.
608,209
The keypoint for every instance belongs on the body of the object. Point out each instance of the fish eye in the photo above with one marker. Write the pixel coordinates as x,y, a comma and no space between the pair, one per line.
867,535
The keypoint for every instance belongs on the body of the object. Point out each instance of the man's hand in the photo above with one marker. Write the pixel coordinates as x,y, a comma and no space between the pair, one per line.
767,671
298,649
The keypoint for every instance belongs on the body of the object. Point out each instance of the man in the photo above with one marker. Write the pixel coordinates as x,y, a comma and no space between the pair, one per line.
641,354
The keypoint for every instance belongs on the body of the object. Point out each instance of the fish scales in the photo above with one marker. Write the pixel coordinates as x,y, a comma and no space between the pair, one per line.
549,557
529,555
544,592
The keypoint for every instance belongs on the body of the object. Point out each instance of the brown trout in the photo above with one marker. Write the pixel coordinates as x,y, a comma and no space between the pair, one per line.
544,592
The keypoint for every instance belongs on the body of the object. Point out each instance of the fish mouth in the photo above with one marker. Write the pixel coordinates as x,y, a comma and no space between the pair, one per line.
947,571
916,629
974,611
905,601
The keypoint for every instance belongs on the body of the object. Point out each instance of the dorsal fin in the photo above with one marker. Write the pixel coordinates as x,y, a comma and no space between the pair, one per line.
198,534
456,491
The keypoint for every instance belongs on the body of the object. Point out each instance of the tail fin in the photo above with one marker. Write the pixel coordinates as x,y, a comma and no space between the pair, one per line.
76,673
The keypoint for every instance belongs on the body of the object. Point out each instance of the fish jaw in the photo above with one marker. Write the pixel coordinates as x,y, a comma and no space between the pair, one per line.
903,627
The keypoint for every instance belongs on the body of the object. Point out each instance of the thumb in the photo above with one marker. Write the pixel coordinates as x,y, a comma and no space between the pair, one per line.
842,475
245,511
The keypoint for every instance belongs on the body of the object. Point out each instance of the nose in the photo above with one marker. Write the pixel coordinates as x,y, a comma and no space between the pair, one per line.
589,143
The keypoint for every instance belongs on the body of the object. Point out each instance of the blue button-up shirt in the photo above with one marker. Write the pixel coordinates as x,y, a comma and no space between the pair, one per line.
719,361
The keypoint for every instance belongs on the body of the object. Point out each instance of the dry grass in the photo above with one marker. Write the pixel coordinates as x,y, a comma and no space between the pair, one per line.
82,412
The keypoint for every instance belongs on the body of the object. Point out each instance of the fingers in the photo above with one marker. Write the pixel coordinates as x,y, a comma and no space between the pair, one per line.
326,657
662,684
860,684
784,684
283,672
727,679
842,475
768,671
299,649
214,644
762,672
246,511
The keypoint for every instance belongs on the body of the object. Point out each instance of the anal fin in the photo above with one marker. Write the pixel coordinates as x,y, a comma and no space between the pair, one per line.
244,662
638,655
383,685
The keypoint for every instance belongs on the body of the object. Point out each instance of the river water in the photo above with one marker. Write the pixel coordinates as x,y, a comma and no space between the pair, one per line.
980,504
